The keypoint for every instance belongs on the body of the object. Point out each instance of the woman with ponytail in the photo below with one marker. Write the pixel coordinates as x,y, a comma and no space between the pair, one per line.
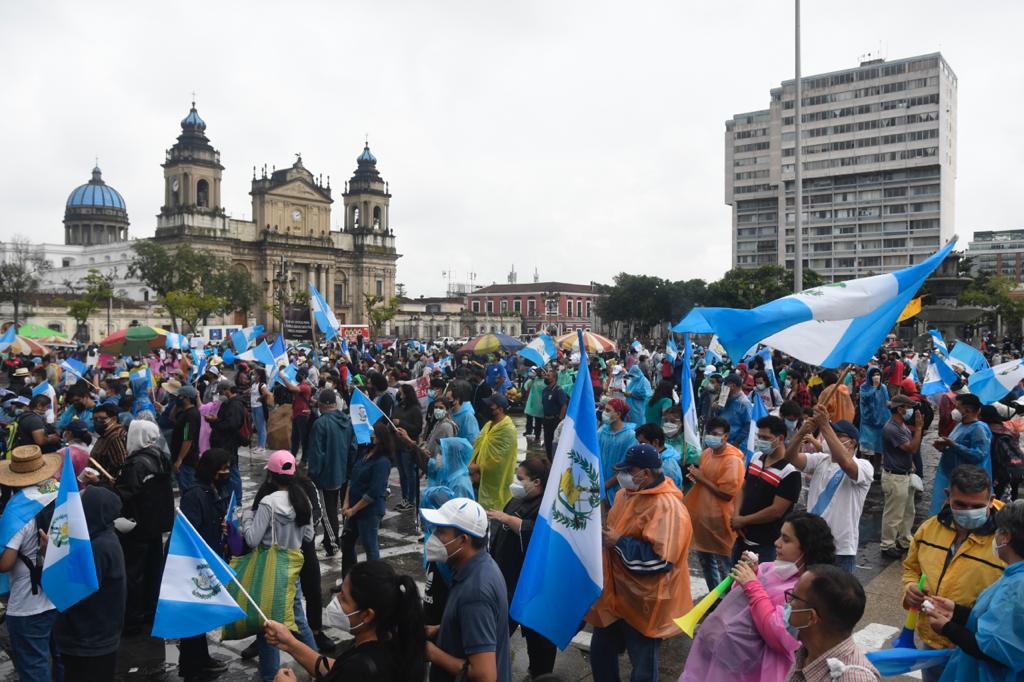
383,612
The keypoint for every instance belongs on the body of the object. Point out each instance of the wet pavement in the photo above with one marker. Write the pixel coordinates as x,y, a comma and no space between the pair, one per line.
146,658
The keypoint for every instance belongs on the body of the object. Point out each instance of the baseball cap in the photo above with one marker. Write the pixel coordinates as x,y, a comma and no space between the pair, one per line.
642,456
846,428
188,392
281,462
327,397
461,513
212,369
733,378
496,400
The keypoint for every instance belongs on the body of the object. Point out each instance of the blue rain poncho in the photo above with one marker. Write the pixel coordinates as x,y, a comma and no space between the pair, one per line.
452,470
613,448
639,389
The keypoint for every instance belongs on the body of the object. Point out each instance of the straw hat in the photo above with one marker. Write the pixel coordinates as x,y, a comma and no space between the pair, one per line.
172,386
27,466
21,372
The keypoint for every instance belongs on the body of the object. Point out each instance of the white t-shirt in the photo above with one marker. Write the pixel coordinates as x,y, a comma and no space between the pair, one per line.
23,602
843,512
255,393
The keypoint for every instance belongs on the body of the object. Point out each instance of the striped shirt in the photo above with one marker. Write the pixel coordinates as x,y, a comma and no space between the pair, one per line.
762,485
844,658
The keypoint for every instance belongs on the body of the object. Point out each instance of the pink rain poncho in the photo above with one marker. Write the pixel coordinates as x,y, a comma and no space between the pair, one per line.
745,638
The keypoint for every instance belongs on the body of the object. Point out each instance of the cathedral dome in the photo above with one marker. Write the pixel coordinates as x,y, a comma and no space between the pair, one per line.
366,156
96,193
193,120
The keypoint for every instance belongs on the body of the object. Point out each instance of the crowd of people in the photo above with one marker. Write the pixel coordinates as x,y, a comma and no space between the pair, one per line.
773,504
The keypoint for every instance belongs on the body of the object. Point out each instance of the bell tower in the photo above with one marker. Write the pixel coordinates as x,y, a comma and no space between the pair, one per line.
367,198
192,171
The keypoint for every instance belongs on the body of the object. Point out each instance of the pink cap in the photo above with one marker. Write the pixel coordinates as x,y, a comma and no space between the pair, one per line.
281,462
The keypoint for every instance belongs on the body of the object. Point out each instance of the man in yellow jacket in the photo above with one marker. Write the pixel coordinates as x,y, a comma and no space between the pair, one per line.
953,549
646,575
494,456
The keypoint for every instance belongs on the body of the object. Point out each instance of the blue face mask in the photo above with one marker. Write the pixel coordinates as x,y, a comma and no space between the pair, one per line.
970,519
713,442
764,446
793,630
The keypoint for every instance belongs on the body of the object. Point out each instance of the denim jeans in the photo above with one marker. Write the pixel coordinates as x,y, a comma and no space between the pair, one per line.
270,658
186,478
259,425
846,561
715,568
363,528
764,552
31,646
300,425
608,643
407,475
234,483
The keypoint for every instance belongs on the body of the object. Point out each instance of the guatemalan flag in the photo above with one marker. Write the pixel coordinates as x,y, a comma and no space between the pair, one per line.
74,367
671,350
757,411
8,338
992,384
829,326
69,571
540,351
939,377
326,322
22,508
691,434
175,341
769,367
562,574
939,343
967,358
40,389
364,414
193,595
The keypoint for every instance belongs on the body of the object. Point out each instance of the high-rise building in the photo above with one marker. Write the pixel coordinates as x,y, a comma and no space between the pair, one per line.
998,252
878,151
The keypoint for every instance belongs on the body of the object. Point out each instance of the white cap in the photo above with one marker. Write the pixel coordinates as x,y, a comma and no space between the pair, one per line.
212,369
460,512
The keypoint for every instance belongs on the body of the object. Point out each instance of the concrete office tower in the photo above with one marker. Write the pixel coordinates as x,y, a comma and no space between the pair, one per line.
879,169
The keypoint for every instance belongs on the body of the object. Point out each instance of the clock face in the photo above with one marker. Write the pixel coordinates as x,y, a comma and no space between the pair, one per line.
296,215
174,185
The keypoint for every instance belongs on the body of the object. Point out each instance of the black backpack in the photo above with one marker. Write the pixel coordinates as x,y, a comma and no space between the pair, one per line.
157,494
1007,459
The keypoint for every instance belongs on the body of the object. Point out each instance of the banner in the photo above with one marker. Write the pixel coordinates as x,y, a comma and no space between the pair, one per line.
297,326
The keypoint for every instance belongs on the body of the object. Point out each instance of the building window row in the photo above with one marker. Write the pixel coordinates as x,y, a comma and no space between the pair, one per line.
861,109
859,143
872,73
870,91
751,147
902,155
755,132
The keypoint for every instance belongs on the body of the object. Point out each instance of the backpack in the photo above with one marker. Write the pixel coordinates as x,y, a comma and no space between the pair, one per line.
1007,460
245,430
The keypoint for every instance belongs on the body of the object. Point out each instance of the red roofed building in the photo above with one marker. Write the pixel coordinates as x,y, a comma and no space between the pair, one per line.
566,307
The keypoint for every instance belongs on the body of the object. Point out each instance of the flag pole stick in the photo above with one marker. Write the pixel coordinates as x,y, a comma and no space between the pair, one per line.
252,601
101,469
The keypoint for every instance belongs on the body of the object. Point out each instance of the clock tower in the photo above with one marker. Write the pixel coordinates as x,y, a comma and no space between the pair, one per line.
192,171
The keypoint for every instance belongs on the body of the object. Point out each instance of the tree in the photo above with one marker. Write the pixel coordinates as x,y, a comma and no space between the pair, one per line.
399,290
191,306
993,292
379,311
236,287
749,288
21,273
94,291
643,302
184,270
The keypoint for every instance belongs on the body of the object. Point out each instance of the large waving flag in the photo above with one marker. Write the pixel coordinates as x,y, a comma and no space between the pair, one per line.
326,322
691,434
69,571
939,377
671,350
22,508
993,383
142,381
364,414
8,338
175,341
562,574
758,410
967,358
193,592
540,351
239,342
939,343
830,325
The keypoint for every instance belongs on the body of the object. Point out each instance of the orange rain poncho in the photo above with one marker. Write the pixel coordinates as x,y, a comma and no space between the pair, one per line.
647,602
839,405
710,514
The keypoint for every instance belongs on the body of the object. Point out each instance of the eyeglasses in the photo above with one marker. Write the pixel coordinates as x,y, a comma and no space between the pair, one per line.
790,595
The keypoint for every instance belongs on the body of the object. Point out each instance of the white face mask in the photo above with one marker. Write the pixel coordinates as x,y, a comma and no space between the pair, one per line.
785,569
335,616
626,481
761,386
956,416
517,489
439,413
437,550
671,429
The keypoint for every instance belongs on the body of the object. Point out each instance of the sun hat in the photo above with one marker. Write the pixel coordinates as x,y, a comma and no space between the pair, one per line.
28,466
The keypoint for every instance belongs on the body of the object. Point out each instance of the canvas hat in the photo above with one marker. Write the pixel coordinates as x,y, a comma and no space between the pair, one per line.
461,513
21,372
212,369
27,466
172,386
902,401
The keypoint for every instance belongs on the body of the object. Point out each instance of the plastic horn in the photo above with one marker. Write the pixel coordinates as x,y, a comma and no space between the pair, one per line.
688,622
906,638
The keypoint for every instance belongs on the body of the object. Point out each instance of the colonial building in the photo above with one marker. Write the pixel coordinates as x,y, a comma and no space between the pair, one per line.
289,242
439,317
542,305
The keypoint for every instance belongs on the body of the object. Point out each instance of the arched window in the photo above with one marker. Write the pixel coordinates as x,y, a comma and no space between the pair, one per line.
376,217
203,193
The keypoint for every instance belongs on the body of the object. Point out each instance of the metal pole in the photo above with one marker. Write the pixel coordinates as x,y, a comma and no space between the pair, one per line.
798,199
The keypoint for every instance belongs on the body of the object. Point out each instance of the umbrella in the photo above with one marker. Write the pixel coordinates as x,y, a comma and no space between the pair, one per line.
37,331
25,346
594,343
492,343
134,341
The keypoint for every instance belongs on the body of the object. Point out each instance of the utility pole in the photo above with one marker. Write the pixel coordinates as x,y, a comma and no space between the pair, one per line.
798,199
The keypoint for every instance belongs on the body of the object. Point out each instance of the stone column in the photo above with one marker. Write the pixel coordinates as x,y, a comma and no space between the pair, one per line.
329,286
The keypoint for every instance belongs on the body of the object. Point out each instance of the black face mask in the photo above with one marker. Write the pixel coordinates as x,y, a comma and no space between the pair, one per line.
100,428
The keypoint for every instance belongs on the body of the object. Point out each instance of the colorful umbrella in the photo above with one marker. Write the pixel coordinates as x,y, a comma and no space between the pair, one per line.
594,343
25,346
38,331
492,343
134,341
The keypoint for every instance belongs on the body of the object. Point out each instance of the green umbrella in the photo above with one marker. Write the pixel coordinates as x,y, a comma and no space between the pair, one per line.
36,331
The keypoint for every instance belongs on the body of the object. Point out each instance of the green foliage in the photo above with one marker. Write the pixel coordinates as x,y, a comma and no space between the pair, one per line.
21,273
236,287
749,288
91,293
993,291
191,306
379,311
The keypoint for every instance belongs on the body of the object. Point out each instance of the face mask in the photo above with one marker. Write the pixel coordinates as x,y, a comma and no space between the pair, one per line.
336,617
431,393
102,394
760,386
440,413
100,428
671,430
328,384
517,489
789,384
970,518
793,630
791,424
908,414
956,416
626,481
785,570
996,547
437,550
764,446
713,442
606,417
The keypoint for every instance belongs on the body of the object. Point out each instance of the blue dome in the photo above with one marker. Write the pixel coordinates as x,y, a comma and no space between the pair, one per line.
96,193
193,118
366,156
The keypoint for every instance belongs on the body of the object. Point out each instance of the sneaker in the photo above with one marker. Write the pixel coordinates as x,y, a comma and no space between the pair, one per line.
215,666
892,553
251,651
403,506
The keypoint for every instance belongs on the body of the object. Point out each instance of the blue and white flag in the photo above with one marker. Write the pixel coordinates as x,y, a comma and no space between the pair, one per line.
364,414
40,389
993,383
261,354
280,351
828,326
769,367
562,574
142,381
671,350
939,377
939,343
967,358
69,572
540,351
326,322
757,411
193,592
691,433
75,367
239,342
913,373
8,338
175,341
22,508
902,660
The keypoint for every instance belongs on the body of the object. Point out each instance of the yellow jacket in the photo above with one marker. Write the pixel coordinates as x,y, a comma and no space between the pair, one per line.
973,568
494,451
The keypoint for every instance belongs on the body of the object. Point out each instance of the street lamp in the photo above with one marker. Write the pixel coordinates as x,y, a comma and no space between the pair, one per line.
282,280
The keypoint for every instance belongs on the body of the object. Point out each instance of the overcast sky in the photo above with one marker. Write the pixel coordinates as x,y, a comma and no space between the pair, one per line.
581,138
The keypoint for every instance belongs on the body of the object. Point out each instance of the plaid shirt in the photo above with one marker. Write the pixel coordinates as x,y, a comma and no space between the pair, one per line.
818,670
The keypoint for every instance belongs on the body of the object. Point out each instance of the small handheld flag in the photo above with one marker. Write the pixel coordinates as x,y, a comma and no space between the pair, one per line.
968,358
40,389
757,412
364,414
8,338
21,509
993,383
688,622
234,535
69,571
